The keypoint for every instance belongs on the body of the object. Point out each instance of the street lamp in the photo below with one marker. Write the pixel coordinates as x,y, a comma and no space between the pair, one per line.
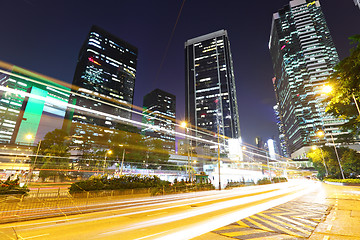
29,137
321,134
184,125
122,161
322,155
109,152
218,140
327,89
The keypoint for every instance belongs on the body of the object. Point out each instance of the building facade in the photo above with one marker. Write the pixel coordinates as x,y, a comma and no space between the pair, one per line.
211,102
103,86
357,3
30,105
303,56
159,113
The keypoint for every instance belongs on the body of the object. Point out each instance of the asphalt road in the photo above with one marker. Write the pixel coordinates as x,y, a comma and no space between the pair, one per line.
177,218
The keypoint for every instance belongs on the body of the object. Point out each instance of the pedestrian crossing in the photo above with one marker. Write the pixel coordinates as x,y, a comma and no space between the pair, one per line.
292,220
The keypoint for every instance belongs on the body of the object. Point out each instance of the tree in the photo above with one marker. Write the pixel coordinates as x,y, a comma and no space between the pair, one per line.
349,159
346,81
157,155
54,153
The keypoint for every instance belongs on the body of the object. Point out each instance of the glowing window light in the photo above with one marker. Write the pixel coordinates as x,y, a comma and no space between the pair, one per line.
93,61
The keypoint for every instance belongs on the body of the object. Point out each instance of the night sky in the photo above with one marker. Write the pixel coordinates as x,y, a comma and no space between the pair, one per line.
46,36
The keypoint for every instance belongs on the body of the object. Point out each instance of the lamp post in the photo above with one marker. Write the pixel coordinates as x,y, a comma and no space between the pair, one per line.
29,137
322,155
184,125
106,154
218,140
122,160
321,134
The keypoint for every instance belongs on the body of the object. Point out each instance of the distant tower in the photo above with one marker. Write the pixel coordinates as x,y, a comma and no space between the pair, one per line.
159,111
303,56
259,142
211,103
357,3
103,85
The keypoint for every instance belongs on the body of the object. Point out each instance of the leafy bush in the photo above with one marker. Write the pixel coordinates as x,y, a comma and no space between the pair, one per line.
123,182
234,184
263,181
12,187
279,179
351,181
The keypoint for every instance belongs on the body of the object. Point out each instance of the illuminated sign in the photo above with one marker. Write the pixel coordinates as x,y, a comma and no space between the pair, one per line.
312,3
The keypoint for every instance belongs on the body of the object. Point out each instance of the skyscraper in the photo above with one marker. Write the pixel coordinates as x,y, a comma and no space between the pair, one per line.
159,111
357,3
103,85
211,103
30,104
303,56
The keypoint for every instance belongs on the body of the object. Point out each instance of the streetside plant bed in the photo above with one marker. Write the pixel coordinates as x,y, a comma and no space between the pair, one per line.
157,186
96,183
355,182
10,187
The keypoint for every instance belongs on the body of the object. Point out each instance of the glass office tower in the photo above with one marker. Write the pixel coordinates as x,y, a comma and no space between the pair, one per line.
103,85
211,103
30,104
159,111
303,56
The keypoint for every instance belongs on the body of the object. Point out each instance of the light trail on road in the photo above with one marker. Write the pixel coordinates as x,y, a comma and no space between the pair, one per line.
180,217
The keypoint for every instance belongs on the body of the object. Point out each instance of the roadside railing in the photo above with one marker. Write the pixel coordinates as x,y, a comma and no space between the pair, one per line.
39,204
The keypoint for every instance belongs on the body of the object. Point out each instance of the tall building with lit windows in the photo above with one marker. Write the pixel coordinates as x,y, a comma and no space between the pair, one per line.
357,3
211,104
159,113
103,86
303,56
30,105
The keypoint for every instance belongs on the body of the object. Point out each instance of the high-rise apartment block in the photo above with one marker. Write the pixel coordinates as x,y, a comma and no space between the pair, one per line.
159,113
30,106
357,3
211,103
303,56
103,85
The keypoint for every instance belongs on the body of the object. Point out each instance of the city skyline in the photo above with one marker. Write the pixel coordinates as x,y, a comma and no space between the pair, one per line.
249,46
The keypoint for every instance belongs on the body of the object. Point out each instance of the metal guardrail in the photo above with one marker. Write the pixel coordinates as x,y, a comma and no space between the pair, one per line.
51,204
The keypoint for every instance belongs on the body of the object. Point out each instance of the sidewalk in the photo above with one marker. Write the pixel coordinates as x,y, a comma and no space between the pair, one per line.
343,222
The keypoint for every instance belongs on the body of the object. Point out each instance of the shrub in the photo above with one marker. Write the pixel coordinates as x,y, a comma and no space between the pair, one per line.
123,182
279,179
263,181
12,187
350,181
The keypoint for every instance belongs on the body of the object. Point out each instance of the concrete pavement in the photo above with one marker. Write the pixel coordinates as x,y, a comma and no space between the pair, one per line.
337,210
343,221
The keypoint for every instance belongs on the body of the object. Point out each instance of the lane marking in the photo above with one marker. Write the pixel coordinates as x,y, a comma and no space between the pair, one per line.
155,214
152,235
329,228
46,234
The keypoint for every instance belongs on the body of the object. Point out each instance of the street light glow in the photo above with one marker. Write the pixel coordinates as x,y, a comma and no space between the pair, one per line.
327,89
29,136
183,124
313,148
320,133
